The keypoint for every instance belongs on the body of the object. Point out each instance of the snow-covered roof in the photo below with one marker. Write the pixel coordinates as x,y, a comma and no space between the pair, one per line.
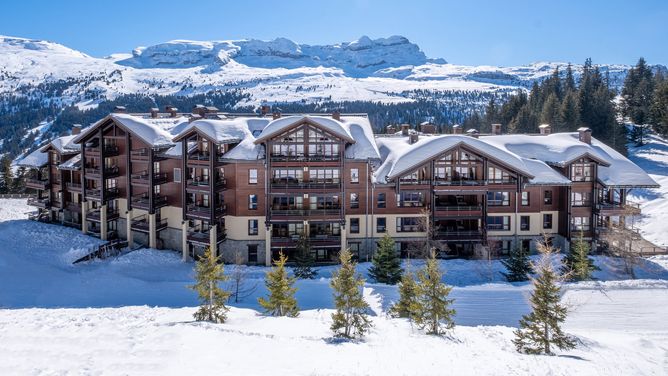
360,130
279,125
63,145
401,157
36,159
73,163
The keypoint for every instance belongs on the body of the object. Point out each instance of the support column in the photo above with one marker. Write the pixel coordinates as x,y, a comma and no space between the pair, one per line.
213,244
152,234
267,245
84,211
128,228
344,236
184,241
103,222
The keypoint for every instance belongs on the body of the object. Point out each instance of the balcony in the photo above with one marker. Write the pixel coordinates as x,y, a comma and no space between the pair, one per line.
204,212
617,208
40,184
202,184
317,240
143,178
459,235
474,210
96,215
141,224
142,201
198,156
305,158
73,207
96,172
107,151
143,155
459,182
96,193
290,184
73,187
204,237
305,212
39,202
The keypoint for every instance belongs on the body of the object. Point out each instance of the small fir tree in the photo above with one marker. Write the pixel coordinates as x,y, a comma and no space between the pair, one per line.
281,300
407,297
541,328
350,319
518,265
577,265
209,273
432,309
386,266
304,259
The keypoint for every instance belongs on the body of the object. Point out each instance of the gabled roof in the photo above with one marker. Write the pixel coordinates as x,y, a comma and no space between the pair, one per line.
36,159
154,132
63,145
73,163
224,131
284,124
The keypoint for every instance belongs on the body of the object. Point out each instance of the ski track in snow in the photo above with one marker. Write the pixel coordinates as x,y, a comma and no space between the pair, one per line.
47,329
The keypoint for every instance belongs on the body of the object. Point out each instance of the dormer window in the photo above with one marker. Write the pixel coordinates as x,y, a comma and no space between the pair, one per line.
582,171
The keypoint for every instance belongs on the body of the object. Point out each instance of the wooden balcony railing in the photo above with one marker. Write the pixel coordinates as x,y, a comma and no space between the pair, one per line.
39,202
73,187
40,184
142,201
96,215
198,211
141,224
306,212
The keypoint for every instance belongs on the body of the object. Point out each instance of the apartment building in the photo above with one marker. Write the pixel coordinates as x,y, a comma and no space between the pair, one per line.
251,185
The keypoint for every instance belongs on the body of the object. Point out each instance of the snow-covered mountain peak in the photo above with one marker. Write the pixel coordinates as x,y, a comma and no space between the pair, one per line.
22,45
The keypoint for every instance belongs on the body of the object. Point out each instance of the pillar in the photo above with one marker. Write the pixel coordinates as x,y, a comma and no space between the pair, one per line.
84,211
267,245
103,222
184,241
128,228
152,234
213,243
344,237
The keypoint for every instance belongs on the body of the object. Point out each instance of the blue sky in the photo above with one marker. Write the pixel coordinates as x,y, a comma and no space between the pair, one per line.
509,32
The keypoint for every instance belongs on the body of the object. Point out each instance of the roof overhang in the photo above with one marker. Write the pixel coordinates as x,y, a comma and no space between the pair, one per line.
295,124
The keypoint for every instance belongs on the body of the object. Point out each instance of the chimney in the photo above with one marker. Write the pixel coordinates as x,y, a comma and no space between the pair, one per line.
496,129
154,112
76,129
390,129
473,133
277,113
171,110
457,129
264,109
545,129
336,115
413,138
404,129
120,110
427,128
585,135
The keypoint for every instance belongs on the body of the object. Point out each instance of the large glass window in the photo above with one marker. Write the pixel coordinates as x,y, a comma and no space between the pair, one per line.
287,176
581,198
354,175
497,175
410,199
408,224
498,223
498,198
582,171
324,175
580,224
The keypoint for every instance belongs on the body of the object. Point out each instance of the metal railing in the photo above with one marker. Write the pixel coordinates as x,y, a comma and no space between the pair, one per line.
306,212
460,182
37,183
457,208
39,202
205,211
73,186
304,185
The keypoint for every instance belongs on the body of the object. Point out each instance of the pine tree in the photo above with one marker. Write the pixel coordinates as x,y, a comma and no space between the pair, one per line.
407,297
304,259
6,175
541,328
577,265
432,310
209,273
350,319
281,300
550,112
518,265
659,110
386,266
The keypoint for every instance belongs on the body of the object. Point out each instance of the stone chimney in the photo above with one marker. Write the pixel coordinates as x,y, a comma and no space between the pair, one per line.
277,113
413,138
76,129
496,129
545,129
427,128
473,133
336,115
390,129
457,129
404,129
120,110
264,109
154,112
171,111
585,135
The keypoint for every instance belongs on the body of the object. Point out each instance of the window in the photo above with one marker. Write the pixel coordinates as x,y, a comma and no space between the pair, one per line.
498,198
581,198
287,176
580,224
354,201
354,175
547,221
547,197
354,250
381,224
408,224
252,253
581,171
324,176
252,202
177,175
354,225
525,224
252,227
497,175
410,199
252,176
525,198
381,200
499,223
